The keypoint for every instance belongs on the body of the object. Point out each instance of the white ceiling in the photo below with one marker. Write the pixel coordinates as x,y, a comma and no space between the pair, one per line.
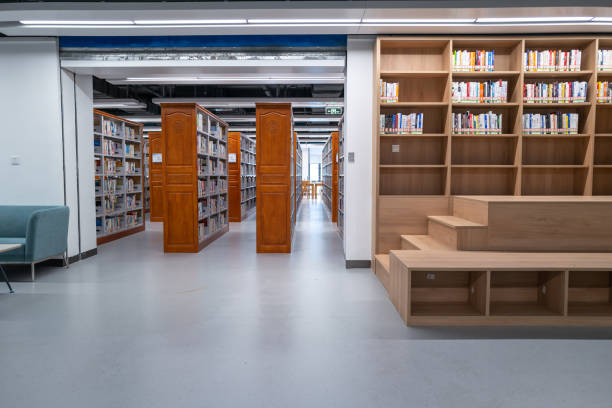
11,14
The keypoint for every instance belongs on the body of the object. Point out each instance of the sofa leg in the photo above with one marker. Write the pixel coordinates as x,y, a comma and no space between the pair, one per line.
33,272
66,263
6,279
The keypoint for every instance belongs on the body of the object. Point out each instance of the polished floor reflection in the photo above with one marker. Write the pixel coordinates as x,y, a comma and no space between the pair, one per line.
133,327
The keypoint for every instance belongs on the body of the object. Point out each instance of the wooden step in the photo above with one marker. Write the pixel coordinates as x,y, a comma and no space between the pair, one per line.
424,243
471,209
457,233
382,269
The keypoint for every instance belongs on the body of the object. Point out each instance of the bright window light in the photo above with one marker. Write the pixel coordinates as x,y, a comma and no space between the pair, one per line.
76,22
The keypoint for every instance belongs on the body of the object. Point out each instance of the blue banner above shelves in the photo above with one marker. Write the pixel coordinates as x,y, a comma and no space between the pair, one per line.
221,41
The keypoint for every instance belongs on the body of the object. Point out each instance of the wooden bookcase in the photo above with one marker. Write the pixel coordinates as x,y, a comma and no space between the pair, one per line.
146,162
156,195
119,181
194,176
242,196
298,173
329,166
421,171
275,177
341,161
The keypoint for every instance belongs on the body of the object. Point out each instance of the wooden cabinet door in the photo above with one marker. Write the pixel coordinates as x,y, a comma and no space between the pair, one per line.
274,127
156,198
234,181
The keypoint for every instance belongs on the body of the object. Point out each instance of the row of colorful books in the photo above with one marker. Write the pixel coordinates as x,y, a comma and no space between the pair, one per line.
556,92
402,123
480,92
550,123
388,91
477,123
552,60
479,60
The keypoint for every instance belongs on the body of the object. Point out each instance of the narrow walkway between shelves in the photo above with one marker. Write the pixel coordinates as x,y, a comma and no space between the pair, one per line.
227,327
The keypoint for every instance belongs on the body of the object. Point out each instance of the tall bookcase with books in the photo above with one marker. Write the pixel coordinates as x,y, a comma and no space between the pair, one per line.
147,193
119,179
329,161
194,177
242,175
487,116
340,222
298,172
276,177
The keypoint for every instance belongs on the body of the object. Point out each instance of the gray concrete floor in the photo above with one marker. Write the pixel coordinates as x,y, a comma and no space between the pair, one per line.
134,327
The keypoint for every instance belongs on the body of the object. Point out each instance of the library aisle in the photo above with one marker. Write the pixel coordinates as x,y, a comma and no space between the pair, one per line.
284,330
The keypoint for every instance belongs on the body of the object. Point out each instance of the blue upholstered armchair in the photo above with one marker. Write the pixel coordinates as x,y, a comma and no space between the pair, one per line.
43,231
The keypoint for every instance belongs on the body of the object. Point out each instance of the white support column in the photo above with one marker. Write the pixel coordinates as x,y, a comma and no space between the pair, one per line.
358,140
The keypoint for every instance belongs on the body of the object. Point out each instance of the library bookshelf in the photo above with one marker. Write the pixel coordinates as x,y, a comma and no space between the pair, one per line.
194,177
340,222
276,174
119,182
298,173
329,162
417,172
147,192
242,174
156,190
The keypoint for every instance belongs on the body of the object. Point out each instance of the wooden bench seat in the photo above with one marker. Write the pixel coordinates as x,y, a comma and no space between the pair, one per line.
501,288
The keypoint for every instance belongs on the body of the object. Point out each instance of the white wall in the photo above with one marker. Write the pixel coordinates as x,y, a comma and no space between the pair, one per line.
77,105
358,103
30,122
46,120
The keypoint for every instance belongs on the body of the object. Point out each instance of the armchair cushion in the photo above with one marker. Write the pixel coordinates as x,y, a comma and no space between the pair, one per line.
16,255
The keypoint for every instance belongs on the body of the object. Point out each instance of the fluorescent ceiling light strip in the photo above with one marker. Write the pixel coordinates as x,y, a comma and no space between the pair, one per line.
303,20
560,19
76,22
602,19
418,20
181,22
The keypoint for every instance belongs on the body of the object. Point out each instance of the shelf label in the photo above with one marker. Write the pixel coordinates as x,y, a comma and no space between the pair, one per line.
395,148
156,158
232,157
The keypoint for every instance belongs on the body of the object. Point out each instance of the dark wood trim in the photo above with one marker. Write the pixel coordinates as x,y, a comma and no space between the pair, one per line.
99,112
121,234
358,263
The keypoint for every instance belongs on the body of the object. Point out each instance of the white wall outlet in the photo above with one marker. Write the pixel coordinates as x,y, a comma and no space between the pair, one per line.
431,276
15,160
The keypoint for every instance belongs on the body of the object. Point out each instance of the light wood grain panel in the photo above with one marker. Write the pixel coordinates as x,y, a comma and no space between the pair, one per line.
156,193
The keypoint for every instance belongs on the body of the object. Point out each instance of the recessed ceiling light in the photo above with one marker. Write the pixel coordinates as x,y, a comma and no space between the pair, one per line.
303,20
210,21
418,20
532,19
76,22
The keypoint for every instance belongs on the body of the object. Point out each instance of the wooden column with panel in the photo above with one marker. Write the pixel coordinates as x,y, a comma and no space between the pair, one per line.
234,185
156,195
194,174
275,172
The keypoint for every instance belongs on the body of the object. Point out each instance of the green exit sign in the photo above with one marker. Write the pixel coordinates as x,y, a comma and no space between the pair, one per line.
333,111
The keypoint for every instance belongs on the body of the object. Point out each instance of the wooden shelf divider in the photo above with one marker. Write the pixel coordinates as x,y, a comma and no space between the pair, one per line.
241,176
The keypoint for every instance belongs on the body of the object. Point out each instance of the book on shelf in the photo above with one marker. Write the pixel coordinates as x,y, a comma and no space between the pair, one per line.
604,92
486,123
473,61
401,123
480,92
110,128
552,60
604,60
555,92
550,123
389,91
110,147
